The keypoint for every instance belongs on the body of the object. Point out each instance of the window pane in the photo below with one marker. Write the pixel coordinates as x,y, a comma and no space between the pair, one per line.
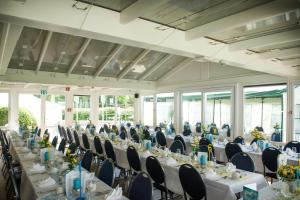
81,104
297,113
265,106
218,108
107,109
165,108
125,108
29,110
55,112
3,109
191,108
148,110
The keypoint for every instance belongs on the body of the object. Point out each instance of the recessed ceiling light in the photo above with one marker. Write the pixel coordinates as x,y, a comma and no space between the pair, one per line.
139,68
63,53
24,46
21,64
55,68
88,66
86,71
96,57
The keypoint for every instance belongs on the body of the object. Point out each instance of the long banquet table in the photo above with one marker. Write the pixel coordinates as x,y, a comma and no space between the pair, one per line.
29,182
217,188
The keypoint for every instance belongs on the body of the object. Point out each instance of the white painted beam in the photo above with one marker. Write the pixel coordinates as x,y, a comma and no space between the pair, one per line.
79,54
133,63
138,9
281,53
44,49
154,68
276,38
177,68
291,62
9,38
111,55
241,18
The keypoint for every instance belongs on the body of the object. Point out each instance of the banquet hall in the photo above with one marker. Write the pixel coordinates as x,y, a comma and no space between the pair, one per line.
150,100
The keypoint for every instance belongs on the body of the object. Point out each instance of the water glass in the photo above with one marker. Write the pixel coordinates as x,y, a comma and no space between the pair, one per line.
178,151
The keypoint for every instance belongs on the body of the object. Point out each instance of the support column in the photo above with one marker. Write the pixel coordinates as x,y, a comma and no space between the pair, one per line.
137,110
13,107
43,113
94,113
154,111
177,112
288,136
238,123
69,109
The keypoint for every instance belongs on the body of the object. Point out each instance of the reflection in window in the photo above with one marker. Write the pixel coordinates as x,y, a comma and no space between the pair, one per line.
81,105
107,109
3,109
191,108
165,108
148,110
125,108
265,106
218,108
29,111
297,113
55,112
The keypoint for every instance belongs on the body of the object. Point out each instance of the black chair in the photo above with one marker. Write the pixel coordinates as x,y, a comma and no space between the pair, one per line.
106,172
109,150
157,129
135,138
14,188
204,143
243,161
157,174
39,132
178,137
85,141
54,141
228,129
140,187
133,160
292,144
87,160
76,138
62,145
98,147
191,182
64,133
161,139
106,128
187,132
101,130
177,144
36,130
269,160
70,138
60,131
259,128
231,149
132,131
146,134
73,148
239,140
123,134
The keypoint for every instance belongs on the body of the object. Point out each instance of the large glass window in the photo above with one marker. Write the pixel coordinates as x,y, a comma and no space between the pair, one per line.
125,108
265,106
81,105
29,111
3,109
148,102
55,112
165,108
297,113
191,108
218,108
107,108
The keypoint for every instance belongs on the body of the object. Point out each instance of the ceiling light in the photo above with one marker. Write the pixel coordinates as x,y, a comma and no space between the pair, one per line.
55,68
88,66
24,46
86,71
139,68
63,53
96,57
21,64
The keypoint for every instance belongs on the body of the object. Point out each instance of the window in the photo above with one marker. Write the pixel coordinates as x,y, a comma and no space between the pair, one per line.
81,104
218,108
297,113
191,108
29,111
265,106
165,108
3,109
125,108
148,102
55,112
107,109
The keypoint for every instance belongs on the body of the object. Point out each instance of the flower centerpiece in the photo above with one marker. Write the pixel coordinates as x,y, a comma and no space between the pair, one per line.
257,135
44,143
195,144
204,130
71,159
289,175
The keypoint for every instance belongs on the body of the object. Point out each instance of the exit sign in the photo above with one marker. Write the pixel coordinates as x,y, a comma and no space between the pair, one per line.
44,92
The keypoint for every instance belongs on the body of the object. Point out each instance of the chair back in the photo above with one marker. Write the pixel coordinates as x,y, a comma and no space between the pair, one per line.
178,137
60,131
177,144
16,189
123,134
70,138
269,158
85,140
54,141
106,128
87,160
64,133
109,150
39,132
204,141
146,134
161,139
259,128
243,161
191,182
157,129
73,148
140,187
132,131
155,170
135,138
134,159
107,172
76,138
62,145
98,145
292,144
231,149
187,132
239,140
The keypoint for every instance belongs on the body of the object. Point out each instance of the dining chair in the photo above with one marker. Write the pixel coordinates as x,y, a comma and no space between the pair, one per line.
106,128
132,131
161,139
177,144
85,141
269,160
62,145
106,172
204,143
292,144
140,187
64,133
101,130
109,150
231,149
69,134
98,147
259,128
243,161
157,129
87,160
54,141
123,134
133,160
39,132
239,140
187,132
13,191
135,138
157,175
146,134
73,148
178,137
191,182
60,131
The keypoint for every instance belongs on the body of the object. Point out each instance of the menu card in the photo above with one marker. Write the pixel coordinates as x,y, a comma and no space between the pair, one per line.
250,192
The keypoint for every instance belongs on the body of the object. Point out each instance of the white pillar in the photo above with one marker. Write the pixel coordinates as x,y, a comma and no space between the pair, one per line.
177,112
289,114
13,110
69,114
137,110
238,123
43,113
154,111
203,106
94,113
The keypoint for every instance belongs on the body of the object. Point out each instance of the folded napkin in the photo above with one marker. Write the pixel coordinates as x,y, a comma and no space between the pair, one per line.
254,146
225,141
230,168
116,194
49,183
37,168
147,154
211,174
171,161
290,152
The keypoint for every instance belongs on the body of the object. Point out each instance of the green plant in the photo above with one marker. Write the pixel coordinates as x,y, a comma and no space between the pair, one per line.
26,119
3,116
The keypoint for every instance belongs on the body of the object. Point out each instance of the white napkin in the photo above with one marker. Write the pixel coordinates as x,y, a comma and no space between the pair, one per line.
116,194
37,168
290,152
225,141
254,146
211,174
230,168
147,154
49,182
171,161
